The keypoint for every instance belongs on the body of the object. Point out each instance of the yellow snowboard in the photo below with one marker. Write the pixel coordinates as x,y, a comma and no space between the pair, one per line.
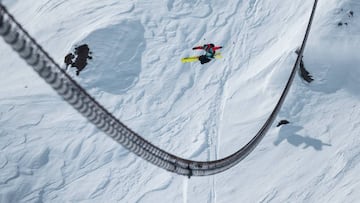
196,58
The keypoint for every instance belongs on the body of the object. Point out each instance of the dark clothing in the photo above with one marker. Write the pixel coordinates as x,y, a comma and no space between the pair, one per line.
204,59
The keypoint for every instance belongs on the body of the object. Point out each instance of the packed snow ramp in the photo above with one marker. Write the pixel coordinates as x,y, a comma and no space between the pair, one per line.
27,47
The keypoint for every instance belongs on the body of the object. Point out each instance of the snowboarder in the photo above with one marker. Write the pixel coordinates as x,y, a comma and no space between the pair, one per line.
210,50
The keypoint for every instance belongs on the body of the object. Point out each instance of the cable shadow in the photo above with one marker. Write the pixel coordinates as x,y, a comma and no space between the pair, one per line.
289,133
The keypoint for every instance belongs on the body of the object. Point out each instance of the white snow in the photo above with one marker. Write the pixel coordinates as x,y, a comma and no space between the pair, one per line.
49,153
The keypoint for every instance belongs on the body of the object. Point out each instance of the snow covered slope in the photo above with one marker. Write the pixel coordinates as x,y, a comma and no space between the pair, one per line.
49,153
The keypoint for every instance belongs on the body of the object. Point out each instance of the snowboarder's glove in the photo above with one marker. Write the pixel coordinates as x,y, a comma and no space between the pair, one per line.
193,48
220,47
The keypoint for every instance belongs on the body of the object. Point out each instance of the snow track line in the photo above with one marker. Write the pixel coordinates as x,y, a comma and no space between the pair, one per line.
35,56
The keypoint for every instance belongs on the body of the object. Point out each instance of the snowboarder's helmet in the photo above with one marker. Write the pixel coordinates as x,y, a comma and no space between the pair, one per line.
212,45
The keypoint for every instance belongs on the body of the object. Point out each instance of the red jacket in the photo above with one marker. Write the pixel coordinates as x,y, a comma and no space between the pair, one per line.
213,48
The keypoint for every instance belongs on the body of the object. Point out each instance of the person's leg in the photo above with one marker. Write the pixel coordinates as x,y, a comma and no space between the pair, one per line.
204,59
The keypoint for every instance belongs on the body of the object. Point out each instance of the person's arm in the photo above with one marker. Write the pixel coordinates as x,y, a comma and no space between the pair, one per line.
198,47
216,48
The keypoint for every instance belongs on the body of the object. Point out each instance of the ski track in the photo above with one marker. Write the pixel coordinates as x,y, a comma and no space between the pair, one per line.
159,188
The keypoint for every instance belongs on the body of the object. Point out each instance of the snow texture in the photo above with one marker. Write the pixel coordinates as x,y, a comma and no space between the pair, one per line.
49,153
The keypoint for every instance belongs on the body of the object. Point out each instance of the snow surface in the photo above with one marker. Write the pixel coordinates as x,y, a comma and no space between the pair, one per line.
49,153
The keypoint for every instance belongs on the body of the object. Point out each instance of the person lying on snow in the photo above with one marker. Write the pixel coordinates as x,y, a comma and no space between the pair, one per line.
210,50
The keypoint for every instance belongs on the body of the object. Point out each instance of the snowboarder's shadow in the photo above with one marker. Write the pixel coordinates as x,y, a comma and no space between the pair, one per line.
79,58
288,133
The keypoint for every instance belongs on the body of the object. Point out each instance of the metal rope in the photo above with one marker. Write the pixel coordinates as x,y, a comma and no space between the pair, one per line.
28,49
